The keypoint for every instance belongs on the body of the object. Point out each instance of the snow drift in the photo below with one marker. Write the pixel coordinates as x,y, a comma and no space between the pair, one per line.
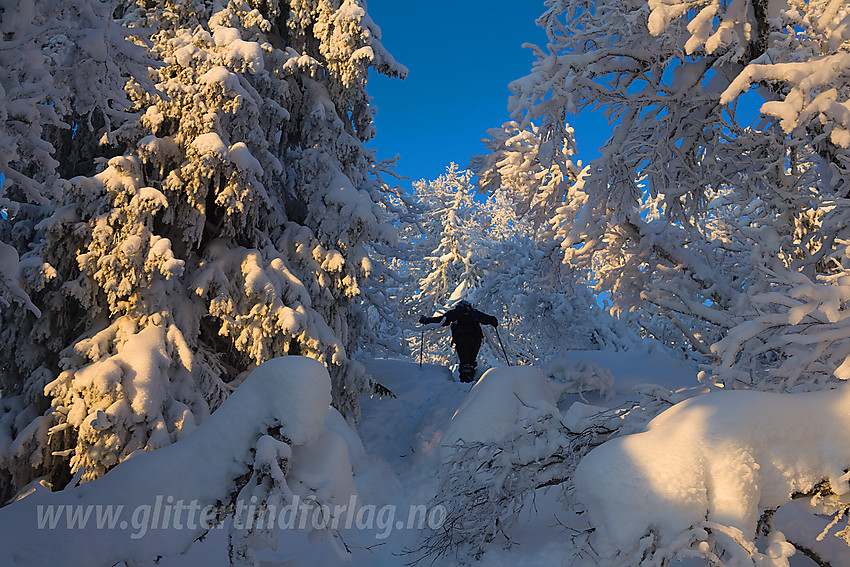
496,403
697,479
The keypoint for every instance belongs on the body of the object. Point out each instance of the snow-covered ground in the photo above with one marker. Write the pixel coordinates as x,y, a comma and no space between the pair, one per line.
395,470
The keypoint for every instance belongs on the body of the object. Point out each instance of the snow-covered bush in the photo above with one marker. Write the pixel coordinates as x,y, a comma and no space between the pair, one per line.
508,440
697,482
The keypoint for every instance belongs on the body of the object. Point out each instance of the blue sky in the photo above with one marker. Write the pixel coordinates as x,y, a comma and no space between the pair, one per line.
461,57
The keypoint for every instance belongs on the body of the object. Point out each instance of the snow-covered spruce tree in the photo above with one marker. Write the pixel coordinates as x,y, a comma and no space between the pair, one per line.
63,68
232,229
453,216
669,74
382,315
63,73
27,87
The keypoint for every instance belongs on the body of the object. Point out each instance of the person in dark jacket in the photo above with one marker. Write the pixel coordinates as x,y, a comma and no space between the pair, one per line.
465,323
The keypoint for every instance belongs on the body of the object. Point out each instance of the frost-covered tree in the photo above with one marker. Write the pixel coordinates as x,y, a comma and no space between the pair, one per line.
233,226
688,210
447,252
793,338
732,233
452,237
540,187
497,253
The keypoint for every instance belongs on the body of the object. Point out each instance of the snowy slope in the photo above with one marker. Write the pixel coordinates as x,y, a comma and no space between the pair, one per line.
403,436
395,471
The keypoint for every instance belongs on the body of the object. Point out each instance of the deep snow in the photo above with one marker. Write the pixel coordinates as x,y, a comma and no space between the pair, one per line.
394,470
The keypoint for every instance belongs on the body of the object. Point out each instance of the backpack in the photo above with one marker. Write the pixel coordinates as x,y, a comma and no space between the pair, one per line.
466,323
466,316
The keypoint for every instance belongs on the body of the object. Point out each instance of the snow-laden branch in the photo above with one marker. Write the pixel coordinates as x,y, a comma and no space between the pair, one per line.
691,201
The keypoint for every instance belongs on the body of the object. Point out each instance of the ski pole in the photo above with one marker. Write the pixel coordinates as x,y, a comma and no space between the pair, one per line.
421,347
502,345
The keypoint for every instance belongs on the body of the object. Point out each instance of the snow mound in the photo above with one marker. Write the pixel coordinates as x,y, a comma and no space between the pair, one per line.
289,395
300,389
708,466
497,402
582,375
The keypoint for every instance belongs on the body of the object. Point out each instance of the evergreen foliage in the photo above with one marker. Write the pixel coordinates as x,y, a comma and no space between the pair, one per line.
224,217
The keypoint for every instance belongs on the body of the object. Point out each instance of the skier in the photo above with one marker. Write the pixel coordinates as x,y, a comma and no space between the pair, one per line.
465,322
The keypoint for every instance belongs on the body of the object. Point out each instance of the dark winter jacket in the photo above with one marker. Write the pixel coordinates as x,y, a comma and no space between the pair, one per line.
464,321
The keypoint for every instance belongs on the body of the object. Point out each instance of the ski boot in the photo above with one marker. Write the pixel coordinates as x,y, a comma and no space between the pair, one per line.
467,373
